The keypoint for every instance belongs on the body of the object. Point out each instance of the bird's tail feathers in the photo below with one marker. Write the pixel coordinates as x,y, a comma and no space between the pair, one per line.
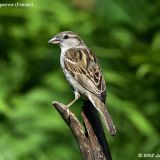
100,106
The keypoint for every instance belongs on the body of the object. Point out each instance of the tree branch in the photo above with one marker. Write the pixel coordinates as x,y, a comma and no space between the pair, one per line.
90,137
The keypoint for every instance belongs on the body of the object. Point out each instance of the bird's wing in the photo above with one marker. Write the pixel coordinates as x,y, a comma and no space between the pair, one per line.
82,64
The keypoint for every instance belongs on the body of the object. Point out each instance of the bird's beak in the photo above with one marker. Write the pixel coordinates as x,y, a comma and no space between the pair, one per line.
54,40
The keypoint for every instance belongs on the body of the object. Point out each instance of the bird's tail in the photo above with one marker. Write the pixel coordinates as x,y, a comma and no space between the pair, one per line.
101,108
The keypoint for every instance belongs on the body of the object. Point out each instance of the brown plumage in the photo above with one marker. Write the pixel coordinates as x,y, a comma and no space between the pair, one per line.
83,72
82,65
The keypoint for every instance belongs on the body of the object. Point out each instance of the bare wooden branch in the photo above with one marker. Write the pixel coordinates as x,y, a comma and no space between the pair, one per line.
95,132
90,137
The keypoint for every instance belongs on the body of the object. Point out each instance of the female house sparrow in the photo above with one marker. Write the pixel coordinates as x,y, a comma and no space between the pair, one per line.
82,70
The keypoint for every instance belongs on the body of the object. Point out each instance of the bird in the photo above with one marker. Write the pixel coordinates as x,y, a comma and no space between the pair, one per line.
83,72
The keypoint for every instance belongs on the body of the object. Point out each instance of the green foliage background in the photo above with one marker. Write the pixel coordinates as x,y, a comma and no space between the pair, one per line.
125,35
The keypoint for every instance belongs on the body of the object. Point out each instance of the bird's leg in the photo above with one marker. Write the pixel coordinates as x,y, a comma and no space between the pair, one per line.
77,96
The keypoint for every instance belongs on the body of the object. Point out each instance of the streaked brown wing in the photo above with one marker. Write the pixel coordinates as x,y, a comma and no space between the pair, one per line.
83,66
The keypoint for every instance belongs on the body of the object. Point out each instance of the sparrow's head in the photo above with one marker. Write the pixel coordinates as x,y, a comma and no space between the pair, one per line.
67,40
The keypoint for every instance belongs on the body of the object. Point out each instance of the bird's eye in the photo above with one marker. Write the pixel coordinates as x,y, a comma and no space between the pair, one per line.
65,36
